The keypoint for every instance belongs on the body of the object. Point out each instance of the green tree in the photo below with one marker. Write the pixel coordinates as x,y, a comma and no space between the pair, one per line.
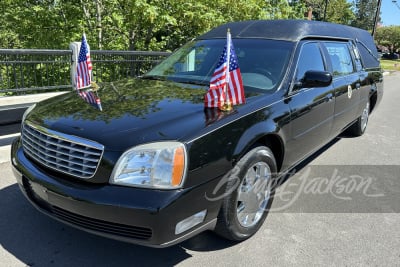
365,11
389,36
336,11
340,11
40,24
318,8
127,24
8,36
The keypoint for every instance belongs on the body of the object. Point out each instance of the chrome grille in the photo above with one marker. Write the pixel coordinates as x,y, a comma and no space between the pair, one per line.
61,152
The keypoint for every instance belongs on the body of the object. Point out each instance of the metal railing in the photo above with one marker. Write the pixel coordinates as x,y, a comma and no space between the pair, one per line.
35,70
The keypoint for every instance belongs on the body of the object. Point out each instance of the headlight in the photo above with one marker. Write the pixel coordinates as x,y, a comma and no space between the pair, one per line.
155,165
27,111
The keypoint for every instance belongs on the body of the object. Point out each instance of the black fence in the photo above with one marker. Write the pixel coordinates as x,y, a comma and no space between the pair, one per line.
27,71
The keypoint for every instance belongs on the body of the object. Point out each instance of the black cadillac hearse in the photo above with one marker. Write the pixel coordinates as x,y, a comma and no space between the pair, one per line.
155,167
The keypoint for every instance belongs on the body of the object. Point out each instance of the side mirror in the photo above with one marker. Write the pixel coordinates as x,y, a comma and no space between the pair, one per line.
313,78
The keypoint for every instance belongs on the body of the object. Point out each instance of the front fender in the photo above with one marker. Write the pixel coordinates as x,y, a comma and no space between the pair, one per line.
252,136
273,132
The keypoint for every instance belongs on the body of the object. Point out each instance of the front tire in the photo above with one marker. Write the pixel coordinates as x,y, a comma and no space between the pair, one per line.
244,210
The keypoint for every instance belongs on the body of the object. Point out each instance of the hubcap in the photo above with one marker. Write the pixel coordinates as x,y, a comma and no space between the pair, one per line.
364,117
253,194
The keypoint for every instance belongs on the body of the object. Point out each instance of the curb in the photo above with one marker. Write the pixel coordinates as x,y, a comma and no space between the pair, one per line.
13,107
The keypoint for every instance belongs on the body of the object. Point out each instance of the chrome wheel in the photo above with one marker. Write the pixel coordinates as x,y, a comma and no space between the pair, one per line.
364,117
253,194
250,193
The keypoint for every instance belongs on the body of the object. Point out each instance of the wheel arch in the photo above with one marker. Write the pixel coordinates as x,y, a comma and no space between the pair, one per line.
373,98
376,90
270,139
275,143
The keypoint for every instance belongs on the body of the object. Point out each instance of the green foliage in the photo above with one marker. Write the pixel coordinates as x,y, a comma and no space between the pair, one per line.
336,11
389,36
38,24
340,11
318,8
390,65
365,11
153,25
127,24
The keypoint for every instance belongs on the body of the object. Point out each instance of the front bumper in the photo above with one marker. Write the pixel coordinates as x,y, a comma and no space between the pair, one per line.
141,216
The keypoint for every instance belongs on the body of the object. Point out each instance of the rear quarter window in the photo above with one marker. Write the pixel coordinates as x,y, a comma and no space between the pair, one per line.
367,57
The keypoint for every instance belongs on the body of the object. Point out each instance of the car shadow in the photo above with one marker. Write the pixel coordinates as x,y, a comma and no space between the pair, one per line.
297,168
37,240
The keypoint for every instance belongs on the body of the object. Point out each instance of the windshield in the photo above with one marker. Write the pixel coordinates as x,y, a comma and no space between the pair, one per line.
262,63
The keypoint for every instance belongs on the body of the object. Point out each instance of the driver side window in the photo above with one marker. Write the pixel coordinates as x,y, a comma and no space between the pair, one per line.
310,58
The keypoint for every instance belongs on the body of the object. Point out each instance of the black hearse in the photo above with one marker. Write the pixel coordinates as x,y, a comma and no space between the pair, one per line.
155,167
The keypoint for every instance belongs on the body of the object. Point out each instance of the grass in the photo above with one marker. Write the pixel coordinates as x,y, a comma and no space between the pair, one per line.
388,64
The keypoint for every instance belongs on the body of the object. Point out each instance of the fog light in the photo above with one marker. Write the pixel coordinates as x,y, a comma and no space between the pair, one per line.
190,222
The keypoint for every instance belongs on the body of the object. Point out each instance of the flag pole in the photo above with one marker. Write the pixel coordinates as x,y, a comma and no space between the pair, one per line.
227,105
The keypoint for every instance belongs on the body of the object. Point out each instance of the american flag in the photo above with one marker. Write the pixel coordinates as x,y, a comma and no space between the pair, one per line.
212,115
83,74
215,114
90,97
226,84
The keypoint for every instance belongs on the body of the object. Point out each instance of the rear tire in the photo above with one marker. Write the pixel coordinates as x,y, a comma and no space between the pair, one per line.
244,210
360,125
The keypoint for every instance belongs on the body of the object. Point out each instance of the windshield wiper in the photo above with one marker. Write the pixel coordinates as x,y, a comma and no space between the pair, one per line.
153,77
194,82
175,79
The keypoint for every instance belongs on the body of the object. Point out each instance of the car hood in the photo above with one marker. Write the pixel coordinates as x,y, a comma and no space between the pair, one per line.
134,111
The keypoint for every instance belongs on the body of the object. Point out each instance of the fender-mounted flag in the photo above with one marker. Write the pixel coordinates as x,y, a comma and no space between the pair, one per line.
226,85
83,76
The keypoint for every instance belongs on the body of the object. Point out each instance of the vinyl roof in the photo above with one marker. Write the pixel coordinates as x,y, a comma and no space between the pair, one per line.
289,30
296,30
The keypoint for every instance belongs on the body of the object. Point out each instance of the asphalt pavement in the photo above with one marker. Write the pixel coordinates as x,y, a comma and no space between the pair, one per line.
340,208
